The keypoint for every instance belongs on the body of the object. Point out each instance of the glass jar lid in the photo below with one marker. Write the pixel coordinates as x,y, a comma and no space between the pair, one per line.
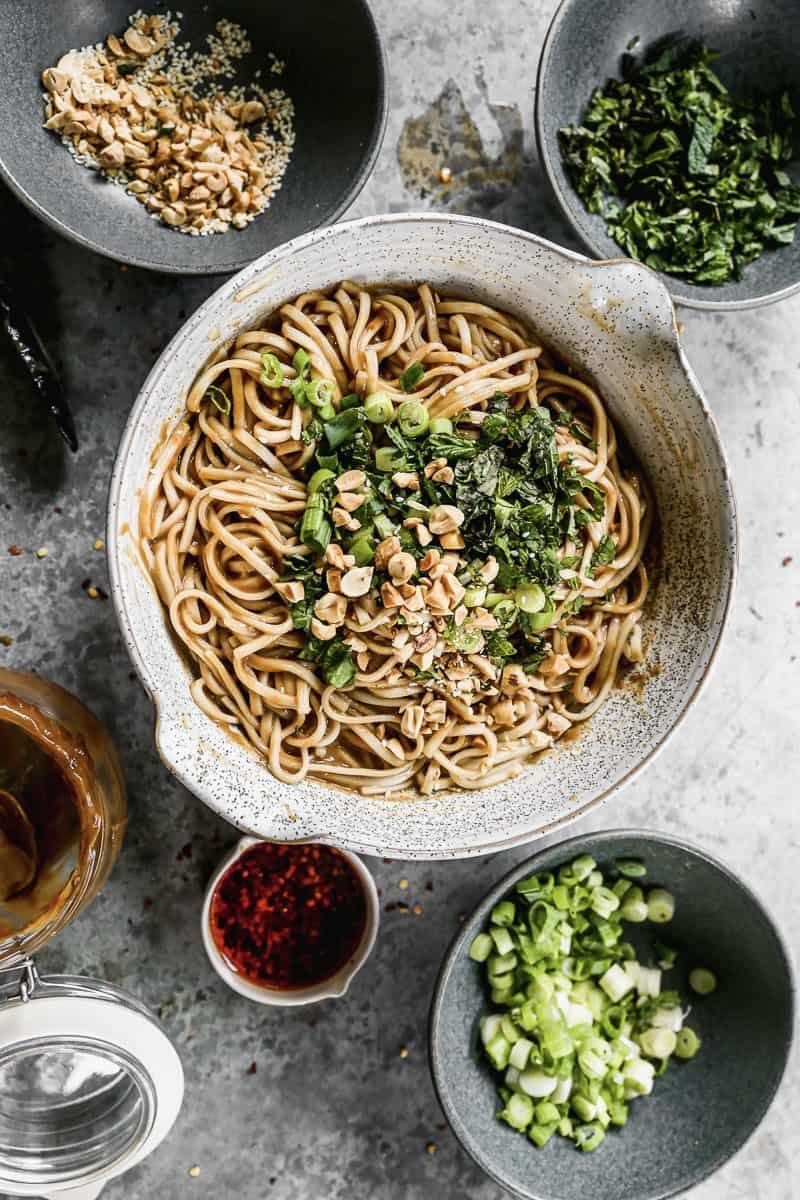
89,1082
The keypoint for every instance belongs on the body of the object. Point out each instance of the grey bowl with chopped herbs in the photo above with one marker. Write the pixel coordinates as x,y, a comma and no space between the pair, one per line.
669,134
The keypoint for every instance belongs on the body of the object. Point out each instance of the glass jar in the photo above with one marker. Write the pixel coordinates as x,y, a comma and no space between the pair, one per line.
59,763
89,1081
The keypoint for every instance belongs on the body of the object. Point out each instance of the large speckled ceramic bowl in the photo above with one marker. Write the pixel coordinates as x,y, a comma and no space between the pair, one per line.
759,50
700,1112
615,323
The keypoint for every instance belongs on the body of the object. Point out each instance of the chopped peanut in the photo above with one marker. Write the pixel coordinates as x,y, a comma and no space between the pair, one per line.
406,479
349,501
350,481
412,719
390,596
429,560
452,540
401,566
445,518
291,591
357,581
331,608
386,550
322,631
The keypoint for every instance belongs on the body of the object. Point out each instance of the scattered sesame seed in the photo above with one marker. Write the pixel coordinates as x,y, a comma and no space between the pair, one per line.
680,326
403,884
41,552
404,1051
92,593
431,1147
194,1172
99,544
417,910
445,175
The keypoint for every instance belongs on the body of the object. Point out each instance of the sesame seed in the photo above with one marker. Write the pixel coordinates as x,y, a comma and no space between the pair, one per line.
194,1172
98,544
431,1147
403,884
404,1051
41,552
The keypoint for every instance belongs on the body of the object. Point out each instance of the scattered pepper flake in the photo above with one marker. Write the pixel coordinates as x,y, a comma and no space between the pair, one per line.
184,852
787,560
251,1070
147,903
41,552
15,551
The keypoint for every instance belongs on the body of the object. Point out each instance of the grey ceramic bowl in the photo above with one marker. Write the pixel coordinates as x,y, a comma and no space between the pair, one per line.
335,75
699,1113
759,51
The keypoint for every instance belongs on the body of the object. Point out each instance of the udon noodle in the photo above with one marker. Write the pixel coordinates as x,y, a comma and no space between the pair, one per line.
425,701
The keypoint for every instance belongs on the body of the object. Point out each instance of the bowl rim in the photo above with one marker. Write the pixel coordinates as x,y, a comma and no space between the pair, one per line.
239,283
570,846
332,988
366,165
672,282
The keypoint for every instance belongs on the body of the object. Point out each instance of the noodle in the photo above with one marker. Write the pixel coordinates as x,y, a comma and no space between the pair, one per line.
437,682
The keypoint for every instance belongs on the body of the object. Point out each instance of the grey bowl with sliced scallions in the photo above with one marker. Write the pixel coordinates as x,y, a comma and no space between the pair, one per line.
625,1026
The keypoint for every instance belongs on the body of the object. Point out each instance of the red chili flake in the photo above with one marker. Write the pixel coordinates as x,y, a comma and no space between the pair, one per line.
57,509
288,916
429,886
184,852
147,903
388,860
788,559
251,1070
15,551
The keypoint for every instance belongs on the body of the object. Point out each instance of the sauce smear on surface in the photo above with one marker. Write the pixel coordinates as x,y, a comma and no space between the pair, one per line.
288,916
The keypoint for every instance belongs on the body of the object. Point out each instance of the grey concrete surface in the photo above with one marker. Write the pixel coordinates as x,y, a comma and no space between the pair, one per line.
332,1111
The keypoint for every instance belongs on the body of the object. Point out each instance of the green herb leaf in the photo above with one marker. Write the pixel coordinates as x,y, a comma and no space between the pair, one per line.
690,179
604,553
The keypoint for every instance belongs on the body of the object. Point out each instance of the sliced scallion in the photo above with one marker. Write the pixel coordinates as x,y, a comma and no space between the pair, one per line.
412,376
702,981
272,373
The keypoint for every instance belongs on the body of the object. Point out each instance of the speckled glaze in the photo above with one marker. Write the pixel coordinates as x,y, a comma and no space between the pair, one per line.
615,323
335,79
583,49
699,1113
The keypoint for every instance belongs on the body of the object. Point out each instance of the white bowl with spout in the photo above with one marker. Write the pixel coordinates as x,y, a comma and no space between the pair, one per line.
614,323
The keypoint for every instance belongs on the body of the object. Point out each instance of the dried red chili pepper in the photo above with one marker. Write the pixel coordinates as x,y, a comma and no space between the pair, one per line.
288,916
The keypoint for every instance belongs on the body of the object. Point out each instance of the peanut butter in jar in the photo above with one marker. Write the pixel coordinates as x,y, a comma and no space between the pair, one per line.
62,811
